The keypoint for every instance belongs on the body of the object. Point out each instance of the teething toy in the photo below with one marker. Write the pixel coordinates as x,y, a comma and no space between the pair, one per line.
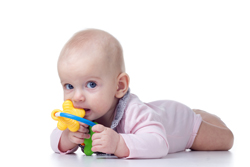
64,123
69,117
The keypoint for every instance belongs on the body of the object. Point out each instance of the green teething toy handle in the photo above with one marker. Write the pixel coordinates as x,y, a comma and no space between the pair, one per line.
88,143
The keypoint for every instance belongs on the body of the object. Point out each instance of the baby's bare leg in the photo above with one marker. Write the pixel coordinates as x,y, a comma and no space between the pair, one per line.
213,134
210,118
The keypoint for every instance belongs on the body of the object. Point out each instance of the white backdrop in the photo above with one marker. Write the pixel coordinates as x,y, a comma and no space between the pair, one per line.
194,52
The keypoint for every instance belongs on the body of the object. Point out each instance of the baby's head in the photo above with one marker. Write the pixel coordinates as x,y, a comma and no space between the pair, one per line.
92,72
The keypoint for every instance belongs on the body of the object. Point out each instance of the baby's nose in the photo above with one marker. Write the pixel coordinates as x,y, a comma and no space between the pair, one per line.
78,97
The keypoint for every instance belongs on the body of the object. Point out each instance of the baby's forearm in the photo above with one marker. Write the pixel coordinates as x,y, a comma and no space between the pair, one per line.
65,144
122,149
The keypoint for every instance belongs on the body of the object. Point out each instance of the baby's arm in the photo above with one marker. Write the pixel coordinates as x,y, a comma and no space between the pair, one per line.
146,145
143,136
140,145
70,139
67,141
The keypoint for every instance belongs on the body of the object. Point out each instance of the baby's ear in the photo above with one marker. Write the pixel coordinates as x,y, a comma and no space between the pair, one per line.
122,85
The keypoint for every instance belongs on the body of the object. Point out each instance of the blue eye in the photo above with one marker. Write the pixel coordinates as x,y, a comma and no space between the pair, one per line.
69,86
91,84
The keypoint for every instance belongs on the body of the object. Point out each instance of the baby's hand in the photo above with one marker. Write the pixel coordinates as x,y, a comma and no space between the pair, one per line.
104,139
79,136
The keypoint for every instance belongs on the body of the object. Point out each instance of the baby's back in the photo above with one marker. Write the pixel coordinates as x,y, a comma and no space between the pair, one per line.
180,122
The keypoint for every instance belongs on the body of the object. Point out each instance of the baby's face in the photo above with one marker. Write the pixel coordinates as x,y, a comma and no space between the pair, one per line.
89,82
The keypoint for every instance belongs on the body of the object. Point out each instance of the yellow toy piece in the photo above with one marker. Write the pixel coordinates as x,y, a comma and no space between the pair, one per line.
64,123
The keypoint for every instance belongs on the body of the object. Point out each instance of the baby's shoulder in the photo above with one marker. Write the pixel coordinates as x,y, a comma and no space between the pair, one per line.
159,106
134,102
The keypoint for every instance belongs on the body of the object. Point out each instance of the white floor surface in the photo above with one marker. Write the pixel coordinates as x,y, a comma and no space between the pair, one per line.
237,157
188,159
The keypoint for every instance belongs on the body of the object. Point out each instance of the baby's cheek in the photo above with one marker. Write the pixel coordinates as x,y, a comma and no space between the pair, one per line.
103,104
67,96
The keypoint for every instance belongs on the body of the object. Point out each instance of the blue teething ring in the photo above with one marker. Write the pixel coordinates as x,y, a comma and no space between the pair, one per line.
83,120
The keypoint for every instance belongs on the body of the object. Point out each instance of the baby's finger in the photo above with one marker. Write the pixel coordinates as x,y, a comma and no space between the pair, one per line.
83,129
96,142
100,148
81,135
96,136
83,124
98,128
74,138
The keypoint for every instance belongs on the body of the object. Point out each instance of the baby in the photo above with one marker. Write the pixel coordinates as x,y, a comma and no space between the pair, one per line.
92,73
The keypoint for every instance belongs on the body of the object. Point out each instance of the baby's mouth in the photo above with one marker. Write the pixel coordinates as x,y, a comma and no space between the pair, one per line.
87,110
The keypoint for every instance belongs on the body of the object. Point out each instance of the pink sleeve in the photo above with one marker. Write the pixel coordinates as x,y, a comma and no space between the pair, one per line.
143,134
54,141
149,145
